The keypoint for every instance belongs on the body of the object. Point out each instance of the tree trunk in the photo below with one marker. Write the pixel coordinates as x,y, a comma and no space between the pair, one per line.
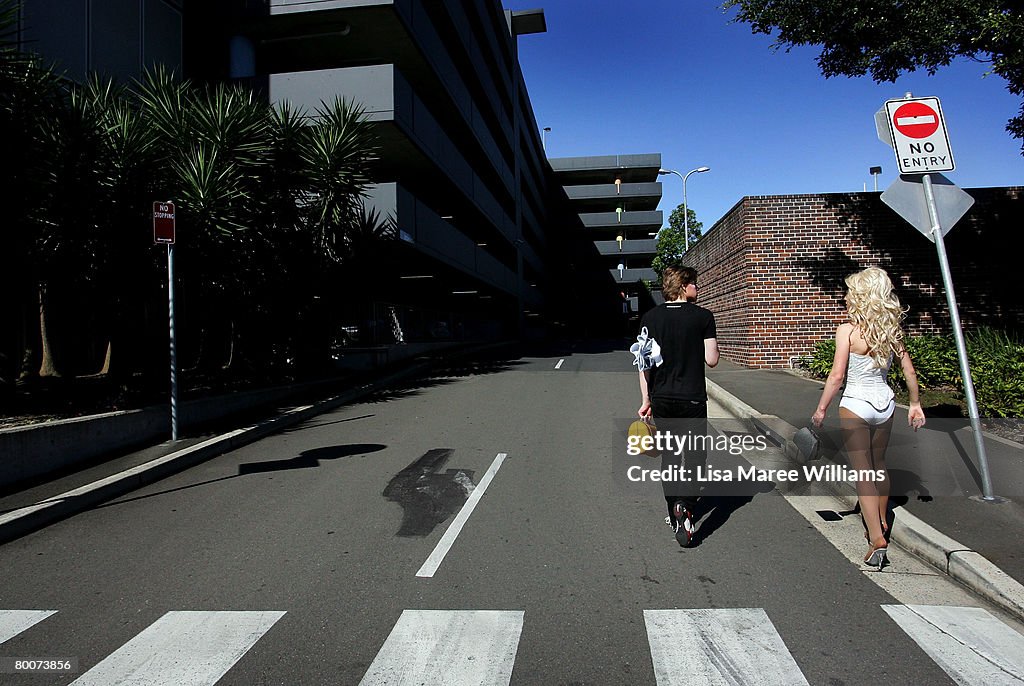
105,369
30,344
232,342
105,324
48,366
27,365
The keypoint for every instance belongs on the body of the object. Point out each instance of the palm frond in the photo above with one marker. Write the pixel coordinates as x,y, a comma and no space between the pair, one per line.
369,231
212,191
337,155
232,119
165,103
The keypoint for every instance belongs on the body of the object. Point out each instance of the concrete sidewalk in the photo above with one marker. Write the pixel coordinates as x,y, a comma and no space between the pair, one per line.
940,516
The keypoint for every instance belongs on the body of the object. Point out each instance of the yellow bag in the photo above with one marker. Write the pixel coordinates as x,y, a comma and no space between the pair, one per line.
637,432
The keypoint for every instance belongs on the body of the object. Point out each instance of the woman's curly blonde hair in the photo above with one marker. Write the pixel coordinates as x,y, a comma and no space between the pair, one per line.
875,310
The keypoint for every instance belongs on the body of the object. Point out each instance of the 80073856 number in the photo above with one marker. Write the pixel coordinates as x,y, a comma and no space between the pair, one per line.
40,665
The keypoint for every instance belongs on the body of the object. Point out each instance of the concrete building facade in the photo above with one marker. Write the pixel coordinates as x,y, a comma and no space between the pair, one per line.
462,172
616,198
118,38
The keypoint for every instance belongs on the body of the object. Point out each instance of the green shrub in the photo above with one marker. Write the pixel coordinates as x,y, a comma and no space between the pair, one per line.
997,368
934,360
820,362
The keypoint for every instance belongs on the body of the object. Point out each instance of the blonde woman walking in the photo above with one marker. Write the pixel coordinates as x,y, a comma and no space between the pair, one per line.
865,348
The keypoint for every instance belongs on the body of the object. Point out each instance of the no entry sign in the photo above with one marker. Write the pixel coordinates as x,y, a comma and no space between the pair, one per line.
163,222
919,136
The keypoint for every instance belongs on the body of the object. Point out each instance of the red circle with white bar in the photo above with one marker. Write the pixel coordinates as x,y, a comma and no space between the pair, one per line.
915,120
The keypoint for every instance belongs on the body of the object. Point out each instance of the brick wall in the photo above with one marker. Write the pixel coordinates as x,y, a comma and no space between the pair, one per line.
772,268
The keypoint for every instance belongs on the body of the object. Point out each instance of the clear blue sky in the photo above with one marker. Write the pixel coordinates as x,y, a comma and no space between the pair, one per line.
680,78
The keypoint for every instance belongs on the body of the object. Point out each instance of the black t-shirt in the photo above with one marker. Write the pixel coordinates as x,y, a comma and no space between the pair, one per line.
680,329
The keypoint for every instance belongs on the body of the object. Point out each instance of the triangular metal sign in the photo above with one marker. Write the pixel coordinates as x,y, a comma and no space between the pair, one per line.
906,197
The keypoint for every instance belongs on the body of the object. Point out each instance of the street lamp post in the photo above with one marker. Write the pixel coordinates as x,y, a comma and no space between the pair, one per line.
686,212
875,171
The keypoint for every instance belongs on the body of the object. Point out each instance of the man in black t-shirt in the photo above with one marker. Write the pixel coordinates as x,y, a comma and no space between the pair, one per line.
674,388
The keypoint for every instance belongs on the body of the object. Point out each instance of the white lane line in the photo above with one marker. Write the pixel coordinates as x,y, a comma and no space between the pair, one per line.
13,622
449,648
182,649
559,364
972,647
446,542
722,646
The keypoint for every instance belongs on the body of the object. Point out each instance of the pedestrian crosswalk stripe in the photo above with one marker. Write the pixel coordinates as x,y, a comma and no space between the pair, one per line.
13,622
457,647
719,646
968,643
182,649
450,647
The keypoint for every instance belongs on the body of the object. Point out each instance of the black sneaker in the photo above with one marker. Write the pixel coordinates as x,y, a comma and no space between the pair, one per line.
683,524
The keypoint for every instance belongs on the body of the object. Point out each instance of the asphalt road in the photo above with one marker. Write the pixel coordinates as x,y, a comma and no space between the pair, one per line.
301,559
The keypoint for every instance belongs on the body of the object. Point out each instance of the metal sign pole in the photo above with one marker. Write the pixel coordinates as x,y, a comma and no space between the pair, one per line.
958,334
174,354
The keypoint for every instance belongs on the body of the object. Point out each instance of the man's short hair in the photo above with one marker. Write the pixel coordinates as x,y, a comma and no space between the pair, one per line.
674,281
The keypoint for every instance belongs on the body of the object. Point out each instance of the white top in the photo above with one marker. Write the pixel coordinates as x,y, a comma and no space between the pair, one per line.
866,381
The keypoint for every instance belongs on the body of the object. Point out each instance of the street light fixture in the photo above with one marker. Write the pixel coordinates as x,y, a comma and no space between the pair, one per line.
686,213
875,171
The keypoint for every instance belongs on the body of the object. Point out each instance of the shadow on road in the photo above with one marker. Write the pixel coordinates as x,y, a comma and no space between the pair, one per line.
305,460
562,348
314,424
308,459
713,511
443,373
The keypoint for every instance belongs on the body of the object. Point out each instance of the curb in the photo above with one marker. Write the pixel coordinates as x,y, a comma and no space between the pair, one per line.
970,568
33,517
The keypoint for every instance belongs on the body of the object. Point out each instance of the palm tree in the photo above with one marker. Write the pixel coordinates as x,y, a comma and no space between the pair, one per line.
126,163
337,154
30,97
282,256
214,142
269,206
284,176
68,217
